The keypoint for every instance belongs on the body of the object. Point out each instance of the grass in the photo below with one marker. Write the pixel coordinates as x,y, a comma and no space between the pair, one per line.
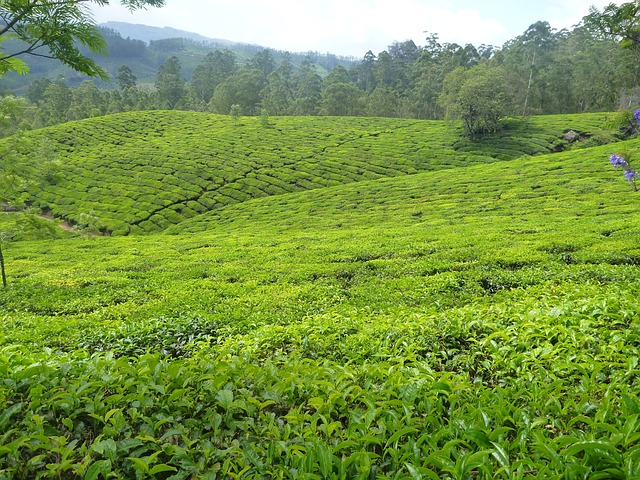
476,322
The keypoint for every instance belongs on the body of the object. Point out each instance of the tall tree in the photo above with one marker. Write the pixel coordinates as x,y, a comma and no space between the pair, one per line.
126,78
55,103
55,29
342,99
12,114
307,90
243,89
216,68
277,96
264,62
170,87
86,101
528,58
364,72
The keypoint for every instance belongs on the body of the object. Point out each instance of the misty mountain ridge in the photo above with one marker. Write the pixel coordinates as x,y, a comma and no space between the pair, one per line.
147,34
144,49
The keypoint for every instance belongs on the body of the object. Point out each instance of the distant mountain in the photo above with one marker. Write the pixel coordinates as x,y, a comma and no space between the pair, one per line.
144,49
147,34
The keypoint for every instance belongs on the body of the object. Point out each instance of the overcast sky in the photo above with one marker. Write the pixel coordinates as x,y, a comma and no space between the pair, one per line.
352,27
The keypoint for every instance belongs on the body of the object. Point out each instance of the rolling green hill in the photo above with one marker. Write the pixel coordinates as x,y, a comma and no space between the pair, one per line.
477,318
145,171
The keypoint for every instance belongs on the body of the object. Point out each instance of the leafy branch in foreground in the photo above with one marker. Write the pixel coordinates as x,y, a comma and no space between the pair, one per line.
618,21
53,29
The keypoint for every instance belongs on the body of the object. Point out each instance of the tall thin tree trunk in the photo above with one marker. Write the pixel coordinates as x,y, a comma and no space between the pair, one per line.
526,97
4,275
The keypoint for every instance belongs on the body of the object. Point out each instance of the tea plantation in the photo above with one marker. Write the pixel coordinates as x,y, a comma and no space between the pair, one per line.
404,306
145,171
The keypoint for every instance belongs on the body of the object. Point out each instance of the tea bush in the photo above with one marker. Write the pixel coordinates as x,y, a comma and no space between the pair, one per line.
476,322
128,167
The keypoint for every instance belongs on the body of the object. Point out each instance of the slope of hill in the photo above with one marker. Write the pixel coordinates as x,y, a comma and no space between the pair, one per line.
145,171
477,322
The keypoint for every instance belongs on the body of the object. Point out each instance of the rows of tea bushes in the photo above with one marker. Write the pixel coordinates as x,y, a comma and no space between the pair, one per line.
477,322
145,171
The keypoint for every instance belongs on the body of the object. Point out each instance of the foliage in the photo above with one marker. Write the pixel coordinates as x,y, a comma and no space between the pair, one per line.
169,85
477,96
145,171
53,29
547,71
471,322
618,21
126,78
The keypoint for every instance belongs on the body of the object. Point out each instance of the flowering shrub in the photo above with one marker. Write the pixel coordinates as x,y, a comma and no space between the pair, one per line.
629,173
622,160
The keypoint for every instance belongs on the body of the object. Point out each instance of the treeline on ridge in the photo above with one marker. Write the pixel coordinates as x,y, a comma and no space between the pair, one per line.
542,71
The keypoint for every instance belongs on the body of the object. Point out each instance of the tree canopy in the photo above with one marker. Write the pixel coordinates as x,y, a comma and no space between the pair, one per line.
54,29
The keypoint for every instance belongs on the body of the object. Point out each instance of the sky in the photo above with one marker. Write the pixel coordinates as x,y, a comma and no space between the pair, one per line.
353,27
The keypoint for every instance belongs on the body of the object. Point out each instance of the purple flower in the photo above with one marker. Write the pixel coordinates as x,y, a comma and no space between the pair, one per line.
630,175
617,160
636,114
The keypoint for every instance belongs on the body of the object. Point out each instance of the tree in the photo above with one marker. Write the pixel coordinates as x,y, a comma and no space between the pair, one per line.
55,29
170,87
242,88
235,111
14,182
383,102
12,114
529,58
216,68
86,101
55,103
307,90
364,72
477,96
342,99
126,78
36,90
264,62
618,21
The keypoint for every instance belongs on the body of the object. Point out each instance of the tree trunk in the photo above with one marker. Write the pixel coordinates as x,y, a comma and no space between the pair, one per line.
4,275
526,98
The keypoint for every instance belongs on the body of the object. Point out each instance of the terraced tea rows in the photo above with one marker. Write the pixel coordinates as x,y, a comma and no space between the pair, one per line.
145,171
477,322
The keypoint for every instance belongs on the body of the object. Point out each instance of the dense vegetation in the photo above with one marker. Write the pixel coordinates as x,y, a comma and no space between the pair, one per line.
144,58
144,171
470,322
544,71
317,298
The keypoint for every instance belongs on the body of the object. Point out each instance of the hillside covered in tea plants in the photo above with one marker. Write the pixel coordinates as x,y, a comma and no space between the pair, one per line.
406,305
145,171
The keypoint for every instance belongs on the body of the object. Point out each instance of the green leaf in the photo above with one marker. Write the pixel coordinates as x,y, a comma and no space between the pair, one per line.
400,433
501,455
418,473
4,418
101,467
225,398
139,464
593,447
441,387
162,467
